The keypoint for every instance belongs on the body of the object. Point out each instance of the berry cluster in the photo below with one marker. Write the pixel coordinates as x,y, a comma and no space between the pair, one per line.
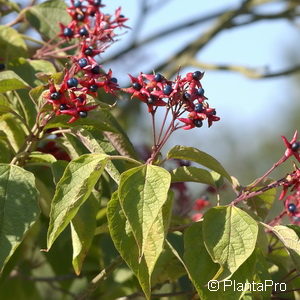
88,21
181,95
94,30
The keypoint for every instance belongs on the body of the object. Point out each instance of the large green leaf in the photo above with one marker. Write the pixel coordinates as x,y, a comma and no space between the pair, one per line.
72,190
10,81
18,208
230,236
143,191
197,260
125,243
12,45
290,240
45,17
192,174
200,157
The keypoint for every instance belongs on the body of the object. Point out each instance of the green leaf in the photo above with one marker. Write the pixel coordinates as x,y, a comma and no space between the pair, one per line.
192,174
72,190
10,81
197,260
125,243
45,17
142,192
202,158
12,45
18,208
262,203
36,95
83,227
230,236
40,158
290,240
58,168
96,146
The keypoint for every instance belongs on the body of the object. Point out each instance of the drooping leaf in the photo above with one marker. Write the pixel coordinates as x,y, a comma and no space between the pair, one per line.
72,190
290,240
143,191
197,260
12,45
200,157
45,17
18,208
125,243
192,174
10,81
83,227
230,237
41,158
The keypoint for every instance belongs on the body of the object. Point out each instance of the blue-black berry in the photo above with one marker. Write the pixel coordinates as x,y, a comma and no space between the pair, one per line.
68,32
198,107
198,123
77,3
96,70
197,75
89,51
136,86
83,31
83,114
292,208
214,113
80,17
83,62
55,95
158,77
97,2
295,146
72,82
94,87
152,99
200,92
80,99
63,107
186,96
167,90
114,80
2,67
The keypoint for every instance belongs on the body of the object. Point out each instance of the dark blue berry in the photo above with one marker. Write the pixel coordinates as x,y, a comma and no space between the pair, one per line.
122,16
197,75
198,107
63,107
292,208
115,80
295,146
187,96
94,87
2,67
83,114
167,90
68,32
83,31
96,70
89,51
200,92
72,82
55,95
152,99
136,86
97,2
158,77
198,123
80,17
77,3
82,62
80,99
214,113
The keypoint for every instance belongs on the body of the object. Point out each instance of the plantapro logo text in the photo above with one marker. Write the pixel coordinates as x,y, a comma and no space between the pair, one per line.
215,285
